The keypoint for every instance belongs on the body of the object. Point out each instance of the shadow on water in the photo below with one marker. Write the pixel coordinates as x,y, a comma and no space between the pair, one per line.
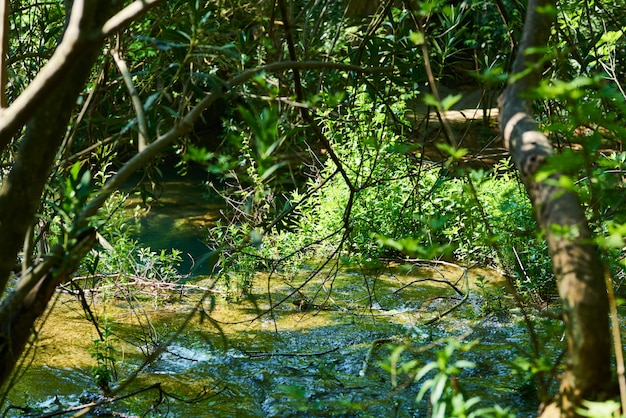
330,359
323,352
178,218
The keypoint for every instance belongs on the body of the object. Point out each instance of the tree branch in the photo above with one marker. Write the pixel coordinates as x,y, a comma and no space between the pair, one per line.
142,127
125,16
65,57
5,26
19,311
79,37
186,124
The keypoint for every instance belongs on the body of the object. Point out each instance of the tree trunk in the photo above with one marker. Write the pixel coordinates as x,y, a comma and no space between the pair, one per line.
20,198
577,266
19,311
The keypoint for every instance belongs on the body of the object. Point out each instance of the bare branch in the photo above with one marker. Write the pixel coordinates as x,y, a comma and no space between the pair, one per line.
125,16
447,129
5,26
142,127
78,38
65,57
186,123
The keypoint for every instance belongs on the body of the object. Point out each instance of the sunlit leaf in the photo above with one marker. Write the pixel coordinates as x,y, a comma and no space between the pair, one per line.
416,37
604,409
454,153
449,101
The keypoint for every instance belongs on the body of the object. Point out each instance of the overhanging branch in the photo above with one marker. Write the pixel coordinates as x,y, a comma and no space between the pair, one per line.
186,123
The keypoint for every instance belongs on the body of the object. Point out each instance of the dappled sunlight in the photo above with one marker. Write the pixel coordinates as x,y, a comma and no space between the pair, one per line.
247,355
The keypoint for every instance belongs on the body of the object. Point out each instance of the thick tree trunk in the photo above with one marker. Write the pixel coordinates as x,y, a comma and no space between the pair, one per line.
20,198
20,310
577,266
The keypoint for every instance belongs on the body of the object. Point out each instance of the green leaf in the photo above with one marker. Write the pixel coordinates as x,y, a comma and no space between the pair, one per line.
449,101
430,100
267,173
549,10
424,389
566,182
150,101
75,170
455,153
416,37
425,370
567,162
465,364
393,359
388,242
441,381
604,409
199,155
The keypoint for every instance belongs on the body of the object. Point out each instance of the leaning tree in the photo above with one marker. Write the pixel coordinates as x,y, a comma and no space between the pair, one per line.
578,268
33,126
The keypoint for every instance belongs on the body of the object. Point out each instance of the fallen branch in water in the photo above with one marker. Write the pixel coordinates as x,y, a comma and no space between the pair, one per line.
87,407
431,264
83,409
263,355
375,344
456,289
154,285
447,282
456,306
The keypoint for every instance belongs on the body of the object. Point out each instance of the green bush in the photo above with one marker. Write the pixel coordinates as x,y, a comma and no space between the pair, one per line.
385,201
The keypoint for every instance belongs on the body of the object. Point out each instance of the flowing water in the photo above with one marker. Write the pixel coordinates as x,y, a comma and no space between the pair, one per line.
323,351
326,360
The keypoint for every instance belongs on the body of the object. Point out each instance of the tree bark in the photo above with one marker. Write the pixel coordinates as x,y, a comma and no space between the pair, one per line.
19,311
21,192
577,266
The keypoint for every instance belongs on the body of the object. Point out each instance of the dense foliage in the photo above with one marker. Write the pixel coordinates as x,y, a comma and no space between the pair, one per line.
346,159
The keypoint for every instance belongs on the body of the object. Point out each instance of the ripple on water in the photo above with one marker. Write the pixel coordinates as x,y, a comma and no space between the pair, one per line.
306,363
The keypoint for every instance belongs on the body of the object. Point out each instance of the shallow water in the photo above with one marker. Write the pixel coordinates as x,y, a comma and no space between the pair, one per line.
321,361
323,351
178,217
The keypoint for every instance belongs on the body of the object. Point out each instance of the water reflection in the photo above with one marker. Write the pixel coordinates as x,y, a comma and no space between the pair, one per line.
288,363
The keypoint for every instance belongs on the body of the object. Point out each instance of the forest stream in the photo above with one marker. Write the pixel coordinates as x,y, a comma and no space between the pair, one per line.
322,353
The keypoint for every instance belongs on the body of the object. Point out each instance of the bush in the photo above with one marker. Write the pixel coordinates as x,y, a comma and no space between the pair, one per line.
386,201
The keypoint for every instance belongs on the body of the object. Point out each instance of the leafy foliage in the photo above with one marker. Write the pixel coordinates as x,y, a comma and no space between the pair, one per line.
335,163
447,397
394,205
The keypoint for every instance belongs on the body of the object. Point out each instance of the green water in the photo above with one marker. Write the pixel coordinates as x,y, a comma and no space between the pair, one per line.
178,218
287,363
326,356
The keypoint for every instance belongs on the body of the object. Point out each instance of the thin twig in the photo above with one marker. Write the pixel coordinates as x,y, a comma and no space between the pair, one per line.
456,306
444,281
142,127
617,341
186,123
447,129
71,133
5,27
